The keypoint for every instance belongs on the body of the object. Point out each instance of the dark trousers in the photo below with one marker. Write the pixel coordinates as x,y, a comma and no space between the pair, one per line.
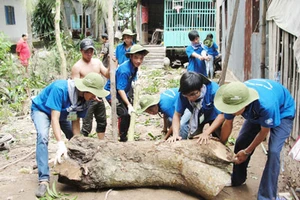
269,179
123,120
98,110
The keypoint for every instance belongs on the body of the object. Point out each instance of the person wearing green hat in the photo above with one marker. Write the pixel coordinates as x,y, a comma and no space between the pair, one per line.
165,104
126,73
211,49
61,104
124,47
268,109
197,95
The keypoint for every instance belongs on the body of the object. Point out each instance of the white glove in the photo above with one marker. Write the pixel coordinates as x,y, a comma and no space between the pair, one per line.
130,109
62,151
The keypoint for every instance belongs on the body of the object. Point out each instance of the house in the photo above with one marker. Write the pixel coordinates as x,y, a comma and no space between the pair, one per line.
75,20
13,19
174,19
267,28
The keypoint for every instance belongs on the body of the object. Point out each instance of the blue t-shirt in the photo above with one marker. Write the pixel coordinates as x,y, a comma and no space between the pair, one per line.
275,103
125,74
167,102
212,50
55,97
195,65
208,108
121,53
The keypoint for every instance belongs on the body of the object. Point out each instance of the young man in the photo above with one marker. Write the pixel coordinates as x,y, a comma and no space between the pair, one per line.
196,54
267,107
196,94
80,69
124,47
126,73
23,51
59,103
212,50
165,104
104,50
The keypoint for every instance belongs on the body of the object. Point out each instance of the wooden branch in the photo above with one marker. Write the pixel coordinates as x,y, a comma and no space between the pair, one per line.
137,89
229,42
5,166
184,165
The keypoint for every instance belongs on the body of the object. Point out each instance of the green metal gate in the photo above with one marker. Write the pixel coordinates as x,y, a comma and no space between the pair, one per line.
182,16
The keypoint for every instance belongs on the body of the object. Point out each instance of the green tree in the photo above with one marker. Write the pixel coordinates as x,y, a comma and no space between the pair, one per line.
43,20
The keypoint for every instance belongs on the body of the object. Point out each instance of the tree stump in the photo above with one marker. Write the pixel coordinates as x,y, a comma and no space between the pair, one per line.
184,165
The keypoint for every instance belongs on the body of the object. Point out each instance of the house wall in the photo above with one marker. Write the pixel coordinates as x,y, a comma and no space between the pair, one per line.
14,32
244,59
255,58
236,58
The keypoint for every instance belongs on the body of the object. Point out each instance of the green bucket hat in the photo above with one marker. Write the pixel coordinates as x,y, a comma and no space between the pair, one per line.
208,42
93,83
128,32
234,96
147,101
136,48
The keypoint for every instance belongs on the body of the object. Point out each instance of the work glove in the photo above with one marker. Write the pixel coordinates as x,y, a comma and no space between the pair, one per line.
62,151
130,109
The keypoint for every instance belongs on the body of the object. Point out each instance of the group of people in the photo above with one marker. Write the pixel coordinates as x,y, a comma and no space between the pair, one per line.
266,105
201,56
62,103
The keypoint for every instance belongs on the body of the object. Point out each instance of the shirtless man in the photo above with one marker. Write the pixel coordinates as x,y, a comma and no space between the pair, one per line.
80,69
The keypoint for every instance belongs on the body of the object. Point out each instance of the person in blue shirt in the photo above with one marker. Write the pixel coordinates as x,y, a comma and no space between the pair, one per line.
211,49
197,95
126,73
165,104
124,47
196,54
59,104
268,108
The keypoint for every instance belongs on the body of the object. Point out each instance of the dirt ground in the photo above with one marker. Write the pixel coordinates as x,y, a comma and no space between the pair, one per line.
19,179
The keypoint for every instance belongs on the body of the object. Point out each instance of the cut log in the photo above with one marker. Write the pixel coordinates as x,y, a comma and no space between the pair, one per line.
184,165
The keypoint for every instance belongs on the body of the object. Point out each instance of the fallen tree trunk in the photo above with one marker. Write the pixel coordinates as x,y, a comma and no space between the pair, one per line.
184,165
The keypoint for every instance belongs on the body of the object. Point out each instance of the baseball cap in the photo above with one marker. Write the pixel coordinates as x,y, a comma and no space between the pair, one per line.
93,83
232,97
86,44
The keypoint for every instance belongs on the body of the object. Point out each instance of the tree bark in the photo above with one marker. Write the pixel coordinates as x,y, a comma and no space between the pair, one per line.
113,67
263,40
184,165
58,41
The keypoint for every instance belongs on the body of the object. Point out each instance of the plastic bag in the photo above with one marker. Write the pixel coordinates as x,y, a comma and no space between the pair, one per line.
295,151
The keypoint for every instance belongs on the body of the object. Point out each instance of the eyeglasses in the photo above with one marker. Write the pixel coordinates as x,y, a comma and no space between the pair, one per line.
192,94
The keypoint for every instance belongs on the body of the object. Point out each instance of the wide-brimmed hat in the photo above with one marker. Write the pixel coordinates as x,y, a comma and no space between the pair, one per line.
136,48
232,97
93,83
147,101
208,42
86,44
128,32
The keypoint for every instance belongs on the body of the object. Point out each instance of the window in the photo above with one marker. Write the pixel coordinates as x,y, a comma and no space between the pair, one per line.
10,15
